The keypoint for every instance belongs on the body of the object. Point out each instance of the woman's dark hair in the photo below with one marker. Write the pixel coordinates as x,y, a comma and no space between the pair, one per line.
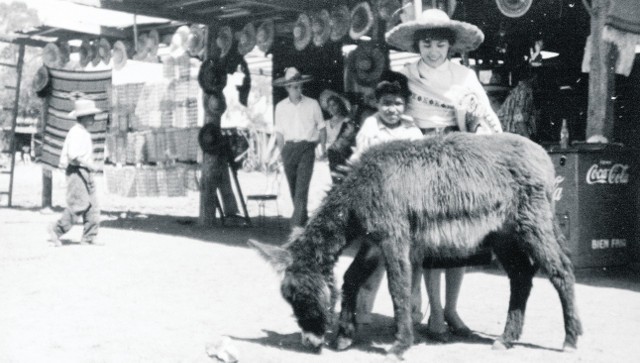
342,108
393,83
434,34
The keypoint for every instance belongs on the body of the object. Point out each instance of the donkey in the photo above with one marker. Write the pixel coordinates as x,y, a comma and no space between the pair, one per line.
440,197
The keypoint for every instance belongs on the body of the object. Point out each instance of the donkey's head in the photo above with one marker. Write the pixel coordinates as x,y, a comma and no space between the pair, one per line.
308,293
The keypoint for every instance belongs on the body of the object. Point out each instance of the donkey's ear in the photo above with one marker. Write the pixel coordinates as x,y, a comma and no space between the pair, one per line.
278,257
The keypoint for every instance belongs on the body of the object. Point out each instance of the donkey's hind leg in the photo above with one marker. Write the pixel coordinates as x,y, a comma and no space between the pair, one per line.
367,260
520,270
549,251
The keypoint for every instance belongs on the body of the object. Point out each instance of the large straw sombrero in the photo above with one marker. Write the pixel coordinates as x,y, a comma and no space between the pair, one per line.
153,41
212,76
361,20
104,50
51,56
246,39
119,54
339,22
320,27
195,40
265,35
291,76
302,32
366,63
224,40
468,36
86,52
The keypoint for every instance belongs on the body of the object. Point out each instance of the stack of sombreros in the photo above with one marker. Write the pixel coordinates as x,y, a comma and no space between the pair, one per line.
468,36
224,40
320,28
291,76
195,40
366,64
265,35
51,56
302,32
246,38
42,82
339,22
362,20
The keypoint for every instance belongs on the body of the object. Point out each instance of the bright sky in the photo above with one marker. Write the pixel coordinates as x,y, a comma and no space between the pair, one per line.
69,15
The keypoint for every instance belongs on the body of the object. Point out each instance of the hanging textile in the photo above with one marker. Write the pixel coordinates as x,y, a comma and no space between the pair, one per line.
66,87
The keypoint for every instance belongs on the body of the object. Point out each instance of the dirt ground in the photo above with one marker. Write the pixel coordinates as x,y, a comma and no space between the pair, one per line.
163,289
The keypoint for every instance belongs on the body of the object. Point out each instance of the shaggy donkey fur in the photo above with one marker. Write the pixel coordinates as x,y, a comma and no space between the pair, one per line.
440,197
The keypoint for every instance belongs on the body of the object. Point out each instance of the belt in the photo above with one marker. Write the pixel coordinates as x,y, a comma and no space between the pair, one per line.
439,130
299,141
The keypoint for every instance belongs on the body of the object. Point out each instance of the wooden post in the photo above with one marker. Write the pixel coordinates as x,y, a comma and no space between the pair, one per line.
601,75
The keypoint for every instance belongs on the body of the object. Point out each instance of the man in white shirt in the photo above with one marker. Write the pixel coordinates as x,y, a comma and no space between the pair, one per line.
77,160
299,127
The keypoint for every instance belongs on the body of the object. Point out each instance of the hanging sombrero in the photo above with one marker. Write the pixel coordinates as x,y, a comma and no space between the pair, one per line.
214,103
302,32
104,50
320,28
195,40
339,22
65,51
246,39
96,53
86,52
179,41
514,8
361,20
265,35
153,41
119,54
51,56
224,40
366,63
141,47
210,138
212,76
387,9
41,82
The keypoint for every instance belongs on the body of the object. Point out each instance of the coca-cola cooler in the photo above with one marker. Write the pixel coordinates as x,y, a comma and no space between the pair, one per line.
594,202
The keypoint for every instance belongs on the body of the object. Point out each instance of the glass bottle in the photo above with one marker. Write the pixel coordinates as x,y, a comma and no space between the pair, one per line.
564,134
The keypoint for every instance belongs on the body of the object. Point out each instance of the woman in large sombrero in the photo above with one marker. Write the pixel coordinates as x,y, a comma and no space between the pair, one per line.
445,97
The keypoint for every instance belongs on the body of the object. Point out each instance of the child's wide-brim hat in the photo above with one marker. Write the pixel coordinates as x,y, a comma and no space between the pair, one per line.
323,99
291,76
84,108
468,36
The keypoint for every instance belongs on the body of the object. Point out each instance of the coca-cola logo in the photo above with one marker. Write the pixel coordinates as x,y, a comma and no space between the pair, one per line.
608,174
557,189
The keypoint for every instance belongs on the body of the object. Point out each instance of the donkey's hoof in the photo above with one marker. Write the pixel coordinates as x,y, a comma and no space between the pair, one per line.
343,343
396,352
500,345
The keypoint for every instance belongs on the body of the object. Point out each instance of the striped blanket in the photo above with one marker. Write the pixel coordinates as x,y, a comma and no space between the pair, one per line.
67,86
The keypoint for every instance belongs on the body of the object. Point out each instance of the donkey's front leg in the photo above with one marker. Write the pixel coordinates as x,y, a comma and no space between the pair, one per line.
399,271
364,264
